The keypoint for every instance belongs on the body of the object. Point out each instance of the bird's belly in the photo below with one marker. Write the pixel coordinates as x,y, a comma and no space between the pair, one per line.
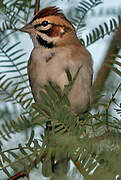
42,72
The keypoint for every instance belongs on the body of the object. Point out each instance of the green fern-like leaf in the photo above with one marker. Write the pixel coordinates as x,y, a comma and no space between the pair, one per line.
101,31
115,65
6,26
19,81
23,156
83,8
12,126
12,10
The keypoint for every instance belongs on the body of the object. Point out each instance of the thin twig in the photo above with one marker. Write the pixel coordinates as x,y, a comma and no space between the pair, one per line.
19,175
103,136
36,7
25,173
106,135
113,95
111,100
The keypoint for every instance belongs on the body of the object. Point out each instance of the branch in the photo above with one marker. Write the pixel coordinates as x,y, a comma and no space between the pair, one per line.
104,71
19,175
36,7
25,173
81,169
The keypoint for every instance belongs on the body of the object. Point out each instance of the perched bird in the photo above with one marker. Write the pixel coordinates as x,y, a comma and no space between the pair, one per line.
57,48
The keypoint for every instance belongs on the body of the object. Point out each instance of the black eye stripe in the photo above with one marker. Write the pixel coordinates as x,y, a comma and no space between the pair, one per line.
37,25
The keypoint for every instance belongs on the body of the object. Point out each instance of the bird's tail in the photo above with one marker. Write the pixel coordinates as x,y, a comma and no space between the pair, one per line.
55,166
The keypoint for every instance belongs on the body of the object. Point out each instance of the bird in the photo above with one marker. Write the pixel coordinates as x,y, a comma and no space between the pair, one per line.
57,48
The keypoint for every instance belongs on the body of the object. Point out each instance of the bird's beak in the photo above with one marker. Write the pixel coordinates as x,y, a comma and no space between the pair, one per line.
27,28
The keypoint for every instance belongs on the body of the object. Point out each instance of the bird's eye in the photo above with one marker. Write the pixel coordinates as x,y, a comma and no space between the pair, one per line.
44,23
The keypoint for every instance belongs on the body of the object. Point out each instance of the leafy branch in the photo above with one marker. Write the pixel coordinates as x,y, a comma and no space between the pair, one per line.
101,31
84,7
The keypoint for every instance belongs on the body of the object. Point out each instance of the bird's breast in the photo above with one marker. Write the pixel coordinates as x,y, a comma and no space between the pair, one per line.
46,66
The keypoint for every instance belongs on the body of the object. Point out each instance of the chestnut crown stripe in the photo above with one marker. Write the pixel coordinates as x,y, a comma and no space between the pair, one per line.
49,11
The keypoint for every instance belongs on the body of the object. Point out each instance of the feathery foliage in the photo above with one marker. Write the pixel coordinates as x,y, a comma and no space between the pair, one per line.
23,155
19,82
83,8
101,31
116,65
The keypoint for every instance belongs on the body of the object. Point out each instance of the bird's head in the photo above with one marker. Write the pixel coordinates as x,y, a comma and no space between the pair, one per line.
50,28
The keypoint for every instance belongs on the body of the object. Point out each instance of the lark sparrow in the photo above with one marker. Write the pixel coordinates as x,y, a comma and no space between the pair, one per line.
56,48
